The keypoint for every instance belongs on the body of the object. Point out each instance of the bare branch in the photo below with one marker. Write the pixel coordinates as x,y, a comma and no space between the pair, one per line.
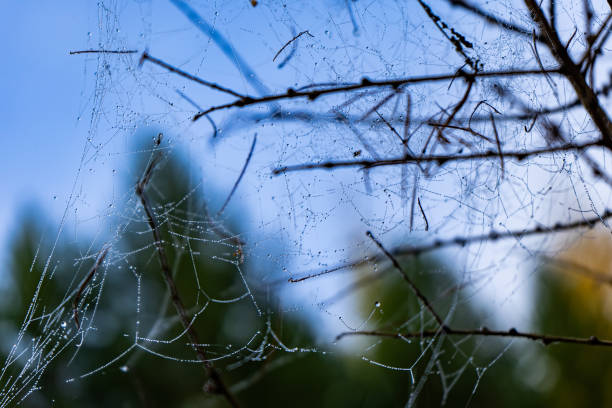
216,384
290,41
512,333
103,52
423,213
571,71
405,276
506,25
367,83
90,275
440,159
244,167
492,236
147,57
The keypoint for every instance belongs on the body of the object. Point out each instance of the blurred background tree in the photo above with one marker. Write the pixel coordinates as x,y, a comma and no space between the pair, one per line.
281,364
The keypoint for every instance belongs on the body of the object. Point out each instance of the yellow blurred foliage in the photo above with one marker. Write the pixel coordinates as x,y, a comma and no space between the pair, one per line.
588,266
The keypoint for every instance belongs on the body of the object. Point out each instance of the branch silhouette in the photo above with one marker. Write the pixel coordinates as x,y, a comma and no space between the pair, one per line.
215,384
438,159
368,83
444,329
416,250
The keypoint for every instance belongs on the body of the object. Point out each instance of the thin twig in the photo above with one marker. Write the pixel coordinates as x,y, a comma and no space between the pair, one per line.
492,236
512,333
90,275
367,83
457,107
103,52
447,330
390,126
405,276
147,57
246,163
290,41
195,105
499,149
571,71
506,25
407,119
423,213
378,105
589,55
440,159
552,11
465,129
455,38
215,383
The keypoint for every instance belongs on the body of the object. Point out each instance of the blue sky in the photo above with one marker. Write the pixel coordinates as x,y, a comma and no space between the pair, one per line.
42,99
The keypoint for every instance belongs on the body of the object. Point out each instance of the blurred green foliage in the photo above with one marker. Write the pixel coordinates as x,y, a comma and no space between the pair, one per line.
449,371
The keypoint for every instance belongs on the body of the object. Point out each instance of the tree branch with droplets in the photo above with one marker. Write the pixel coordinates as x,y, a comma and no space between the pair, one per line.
445,330
215,383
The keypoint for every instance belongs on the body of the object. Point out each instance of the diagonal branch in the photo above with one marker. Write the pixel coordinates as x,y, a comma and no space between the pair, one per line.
461,241
445,329
413,287
90,275
215,384
244,167
440,159
490,18
368,83
290,41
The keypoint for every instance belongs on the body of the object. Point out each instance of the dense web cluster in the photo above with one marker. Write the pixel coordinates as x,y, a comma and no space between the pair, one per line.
389,174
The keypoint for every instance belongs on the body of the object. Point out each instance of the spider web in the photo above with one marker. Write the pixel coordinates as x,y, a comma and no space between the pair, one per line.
279,243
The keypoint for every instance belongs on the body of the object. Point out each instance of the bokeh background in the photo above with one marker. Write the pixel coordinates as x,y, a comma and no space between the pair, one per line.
77,133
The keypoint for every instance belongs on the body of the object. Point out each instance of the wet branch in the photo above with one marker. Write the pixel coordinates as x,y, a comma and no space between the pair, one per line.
405,276
512,333
103,52
244,167
440,159
90,275
461,241
444,329
494,20
571,71
289,42
368,83
147,57
215,383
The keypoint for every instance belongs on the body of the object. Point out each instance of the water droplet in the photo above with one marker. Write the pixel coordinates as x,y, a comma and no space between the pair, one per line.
377,304
124,369
64,324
